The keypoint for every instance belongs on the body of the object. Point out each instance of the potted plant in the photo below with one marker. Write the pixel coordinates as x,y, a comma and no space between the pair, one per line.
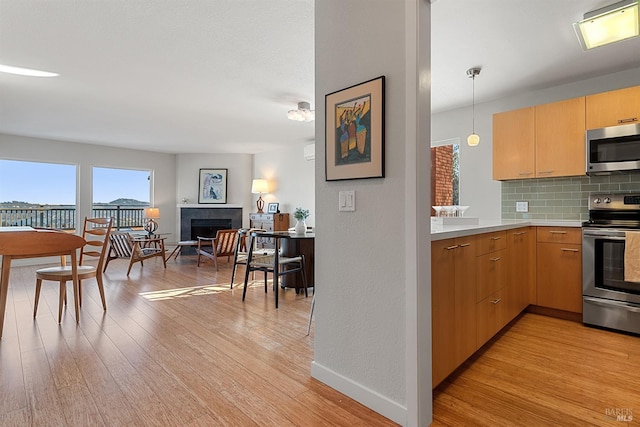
300,215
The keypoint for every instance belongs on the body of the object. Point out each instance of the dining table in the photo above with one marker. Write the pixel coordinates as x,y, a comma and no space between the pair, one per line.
28,242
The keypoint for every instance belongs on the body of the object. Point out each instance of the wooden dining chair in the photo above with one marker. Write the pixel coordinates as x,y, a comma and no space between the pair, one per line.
241,254
224,244
275,263
96,233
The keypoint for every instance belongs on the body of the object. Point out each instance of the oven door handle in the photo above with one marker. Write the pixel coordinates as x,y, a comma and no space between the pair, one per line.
609,303
603,236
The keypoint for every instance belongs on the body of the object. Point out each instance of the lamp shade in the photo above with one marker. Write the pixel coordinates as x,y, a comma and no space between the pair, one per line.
259,186
152,213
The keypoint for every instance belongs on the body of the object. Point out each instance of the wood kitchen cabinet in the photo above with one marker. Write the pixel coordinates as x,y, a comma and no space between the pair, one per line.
613,108
540,142
514,144
471,292
559,138
453,304
559,268
521,289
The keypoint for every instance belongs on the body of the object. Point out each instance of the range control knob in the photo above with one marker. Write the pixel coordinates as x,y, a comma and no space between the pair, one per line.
596,200
607,200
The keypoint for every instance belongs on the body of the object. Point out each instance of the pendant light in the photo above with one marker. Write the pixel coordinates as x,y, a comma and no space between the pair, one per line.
473,139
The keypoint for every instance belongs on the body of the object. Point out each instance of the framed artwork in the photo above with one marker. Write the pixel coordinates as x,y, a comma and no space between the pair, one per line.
354,134
212,186
272,207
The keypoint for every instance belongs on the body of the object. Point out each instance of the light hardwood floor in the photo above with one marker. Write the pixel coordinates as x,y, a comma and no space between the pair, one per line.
176,347
543,371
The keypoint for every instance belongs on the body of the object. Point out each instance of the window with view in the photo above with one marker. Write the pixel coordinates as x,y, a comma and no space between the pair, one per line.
37,194
122,194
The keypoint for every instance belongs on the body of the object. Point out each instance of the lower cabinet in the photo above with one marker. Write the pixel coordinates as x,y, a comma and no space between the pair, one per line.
559,268
470,292
480,283
453,316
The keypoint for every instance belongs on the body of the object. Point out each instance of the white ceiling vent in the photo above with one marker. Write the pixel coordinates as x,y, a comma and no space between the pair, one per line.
310,152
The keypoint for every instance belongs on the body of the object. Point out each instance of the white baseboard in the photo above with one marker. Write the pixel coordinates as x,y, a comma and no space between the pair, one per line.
369,398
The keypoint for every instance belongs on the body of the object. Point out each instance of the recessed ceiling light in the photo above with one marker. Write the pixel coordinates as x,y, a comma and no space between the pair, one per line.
609,24
26,71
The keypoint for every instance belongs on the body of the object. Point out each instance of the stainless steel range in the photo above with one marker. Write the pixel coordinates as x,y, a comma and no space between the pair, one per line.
608,300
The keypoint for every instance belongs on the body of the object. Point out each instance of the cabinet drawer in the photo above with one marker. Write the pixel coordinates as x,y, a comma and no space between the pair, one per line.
491,273
260,217
490,242
490,316
569,235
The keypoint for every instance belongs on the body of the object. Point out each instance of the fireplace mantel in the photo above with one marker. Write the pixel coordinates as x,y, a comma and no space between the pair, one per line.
208,206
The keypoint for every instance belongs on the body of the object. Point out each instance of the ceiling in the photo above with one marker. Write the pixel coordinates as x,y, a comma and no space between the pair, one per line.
204,76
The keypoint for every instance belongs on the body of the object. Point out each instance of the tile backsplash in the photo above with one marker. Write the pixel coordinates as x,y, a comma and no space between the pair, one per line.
561,198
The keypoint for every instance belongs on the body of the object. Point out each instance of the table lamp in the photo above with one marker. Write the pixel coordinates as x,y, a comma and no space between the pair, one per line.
259,186
150,225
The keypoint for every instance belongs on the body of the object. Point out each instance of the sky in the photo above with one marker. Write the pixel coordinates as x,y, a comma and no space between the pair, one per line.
55,184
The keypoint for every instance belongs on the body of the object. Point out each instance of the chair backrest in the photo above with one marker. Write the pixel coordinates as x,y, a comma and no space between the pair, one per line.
121,244
96,233
225,242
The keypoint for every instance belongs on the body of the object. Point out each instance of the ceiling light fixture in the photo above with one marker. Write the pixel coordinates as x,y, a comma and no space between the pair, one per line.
304,113
473,139
609,24
26,71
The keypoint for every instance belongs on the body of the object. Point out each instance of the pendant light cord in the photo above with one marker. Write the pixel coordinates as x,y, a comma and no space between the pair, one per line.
473,103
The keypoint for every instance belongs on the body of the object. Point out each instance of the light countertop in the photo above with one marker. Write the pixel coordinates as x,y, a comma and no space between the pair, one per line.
488,226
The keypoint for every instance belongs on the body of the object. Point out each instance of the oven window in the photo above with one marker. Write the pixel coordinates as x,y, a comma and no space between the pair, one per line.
609,267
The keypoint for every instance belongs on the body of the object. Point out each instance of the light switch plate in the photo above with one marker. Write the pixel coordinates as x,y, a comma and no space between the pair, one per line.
522,206
347,201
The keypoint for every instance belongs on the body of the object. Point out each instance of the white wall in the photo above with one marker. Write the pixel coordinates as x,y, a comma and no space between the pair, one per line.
239,167
86,156
291,180
477,188
363,264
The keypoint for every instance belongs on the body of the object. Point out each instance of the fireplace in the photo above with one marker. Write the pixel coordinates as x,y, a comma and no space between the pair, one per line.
208,227
205,222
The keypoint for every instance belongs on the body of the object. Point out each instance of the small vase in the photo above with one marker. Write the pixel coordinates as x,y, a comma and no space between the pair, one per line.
301,226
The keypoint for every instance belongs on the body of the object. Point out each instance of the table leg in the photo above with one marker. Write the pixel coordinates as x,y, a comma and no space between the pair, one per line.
164,259
276,270
4,288
76,284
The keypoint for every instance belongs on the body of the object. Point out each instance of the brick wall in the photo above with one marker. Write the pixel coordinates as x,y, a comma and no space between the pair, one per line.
441,176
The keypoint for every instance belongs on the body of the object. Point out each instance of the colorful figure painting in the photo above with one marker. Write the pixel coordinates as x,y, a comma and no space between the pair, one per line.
352,133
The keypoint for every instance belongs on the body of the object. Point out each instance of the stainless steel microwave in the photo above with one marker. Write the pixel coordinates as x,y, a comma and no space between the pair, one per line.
613,150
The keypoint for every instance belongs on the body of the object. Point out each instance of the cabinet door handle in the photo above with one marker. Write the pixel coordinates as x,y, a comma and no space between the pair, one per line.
495,259
451,247
629,120
496,238
525,173
520,233
464,245
569,250
495,301
557,232
545,171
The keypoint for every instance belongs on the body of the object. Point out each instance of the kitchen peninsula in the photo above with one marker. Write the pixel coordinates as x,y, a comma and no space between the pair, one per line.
485,275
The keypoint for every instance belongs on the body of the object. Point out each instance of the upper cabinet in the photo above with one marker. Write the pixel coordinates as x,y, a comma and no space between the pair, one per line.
513,144
617,107
540,142
560,143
